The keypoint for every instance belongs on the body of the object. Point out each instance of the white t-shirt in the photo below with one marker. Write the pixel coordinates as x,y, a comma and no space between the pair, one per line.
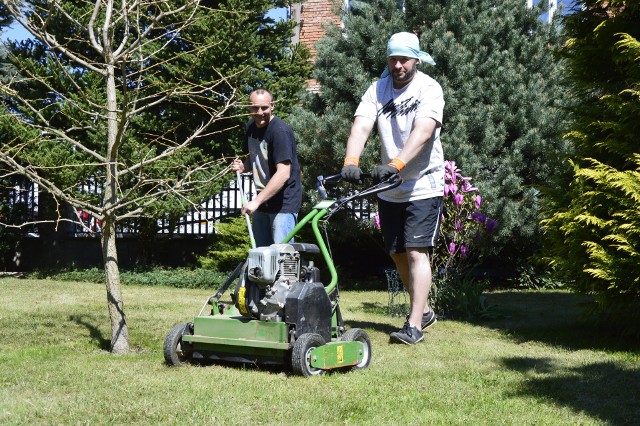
395,111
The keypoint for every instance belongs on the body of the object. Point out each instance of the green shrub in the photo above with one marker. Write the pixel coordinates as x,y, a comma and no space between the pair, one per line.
531,278
178,277
600,233
92,275
230,247
592,217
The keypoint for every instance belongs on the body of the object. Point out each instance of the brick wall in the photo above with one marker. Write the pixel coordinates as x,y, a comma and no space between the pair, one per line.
312,16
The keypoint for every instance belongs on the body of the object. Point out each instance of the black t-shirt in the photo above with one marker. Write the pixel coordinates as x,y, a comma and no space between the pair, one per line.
268,146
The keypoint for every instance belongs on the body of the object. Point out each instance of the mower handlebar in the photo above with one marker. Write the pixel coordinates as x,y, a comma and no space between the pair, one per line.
338,177
389,183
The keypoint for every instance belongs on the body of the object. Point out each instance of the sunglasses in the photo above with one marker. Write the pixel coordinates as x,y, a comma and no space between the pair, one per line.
258,108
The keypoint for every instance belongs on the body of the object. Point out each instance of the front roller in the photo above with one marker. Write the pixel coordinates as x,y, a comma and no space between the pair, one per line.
312,356
359,335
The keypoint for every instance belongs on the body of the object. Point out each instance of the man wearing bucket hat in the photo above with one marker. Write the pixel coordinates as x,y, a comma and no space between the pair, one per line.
407,106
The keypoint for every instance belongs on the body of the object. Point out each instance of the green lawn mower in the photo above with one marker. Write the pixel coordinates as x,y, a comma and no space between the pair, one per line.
280,313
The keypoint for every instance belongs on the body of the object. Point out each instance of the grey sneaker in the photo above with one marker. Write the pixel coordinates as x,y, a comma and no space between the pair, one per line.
408,334
428,319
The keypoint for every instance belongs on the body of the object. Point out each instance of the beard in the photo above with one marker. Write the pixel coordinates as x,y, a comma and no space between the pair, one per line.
407,77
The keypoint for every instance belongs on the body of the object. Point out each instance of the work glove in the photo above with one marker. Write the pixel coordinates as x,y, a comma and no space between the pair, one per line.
351,173
383,172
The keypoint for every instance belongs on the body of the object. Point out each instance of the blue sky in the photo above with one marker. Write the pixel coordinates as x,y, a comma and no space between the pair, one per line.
15,32
564,3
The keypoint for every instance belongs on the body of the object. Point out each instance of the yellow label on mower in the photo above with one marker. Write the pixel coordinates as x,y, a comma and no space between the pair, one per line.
241,301
340,350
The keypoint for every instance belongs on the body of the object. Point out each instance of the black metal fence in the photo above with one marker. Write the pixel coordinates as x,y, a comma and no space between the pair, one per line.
20,202
199,221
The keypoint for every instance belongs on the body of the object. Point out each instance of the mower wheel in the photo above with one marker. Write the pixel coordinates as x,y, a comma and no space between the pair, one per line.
301,354
359,335
176,352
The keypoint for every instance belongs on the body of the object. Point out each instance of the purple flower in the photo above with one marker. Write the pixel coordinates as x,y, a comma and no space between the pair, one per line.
477,201
456,224
450,171
466,185
478,217
376,219
450,188
447,189
450,167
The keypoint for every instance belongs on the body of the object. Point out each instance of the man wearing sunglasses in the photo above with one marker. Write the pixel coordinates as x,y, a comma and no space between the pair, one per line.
273,160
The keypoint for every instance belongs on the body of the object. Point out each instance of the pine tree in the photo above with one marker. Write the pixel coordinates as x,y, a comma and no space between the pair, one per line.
5,20
10,211
250,50
503,116
5,17
593,227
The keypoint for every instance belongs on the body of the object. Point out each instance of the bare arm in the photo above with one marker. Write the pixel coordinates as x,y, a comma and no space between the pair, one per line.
275,184
360,131
420,134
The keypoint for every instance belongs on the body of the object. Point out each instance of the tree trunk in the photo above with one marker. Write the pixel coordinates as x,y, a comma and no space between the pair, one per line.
119,329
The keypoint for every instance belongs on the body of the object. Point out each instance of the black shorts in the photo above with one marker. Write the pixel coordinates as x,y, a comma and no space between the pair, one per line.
411,224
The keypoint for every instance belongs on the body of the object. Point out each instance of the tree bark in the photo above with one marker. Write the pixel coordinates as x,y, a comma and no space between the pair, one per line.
119,329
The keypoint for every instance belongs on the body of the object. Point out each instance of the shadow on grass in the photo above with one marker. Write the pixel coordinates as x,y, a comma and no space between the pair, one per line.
376,326
283,368
94,333
378,309
603,390
555,318
271,369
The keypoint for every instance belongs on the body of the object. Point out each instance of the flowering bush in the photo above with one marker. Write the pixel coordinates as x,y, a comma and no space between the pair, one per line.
463,223
462,227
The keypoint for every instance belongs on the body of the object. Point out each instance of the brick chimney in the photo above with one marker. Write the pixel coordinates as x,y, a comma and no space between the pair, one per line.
311,16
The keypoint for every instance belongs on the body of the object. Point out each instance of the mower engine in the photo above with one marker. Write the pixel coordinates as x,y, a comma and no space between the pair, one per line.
270,275
278,262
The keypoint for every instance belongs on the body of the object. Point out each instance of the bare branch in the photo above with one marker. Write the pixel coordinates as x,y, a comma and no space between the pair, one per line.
58,193
92,34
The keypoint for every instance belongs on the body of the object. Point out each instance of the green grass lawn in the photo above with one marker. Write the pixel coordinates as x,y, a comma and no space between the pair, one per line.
539,363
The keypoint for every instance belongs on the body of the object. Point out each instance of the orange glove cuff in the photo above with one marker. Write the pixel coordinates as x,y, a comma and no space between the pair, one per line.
397,163
351,161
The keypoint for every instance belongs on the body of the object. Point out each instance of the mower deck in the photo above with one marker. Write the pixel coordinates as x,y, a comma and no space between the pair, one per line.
222,330
239,339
